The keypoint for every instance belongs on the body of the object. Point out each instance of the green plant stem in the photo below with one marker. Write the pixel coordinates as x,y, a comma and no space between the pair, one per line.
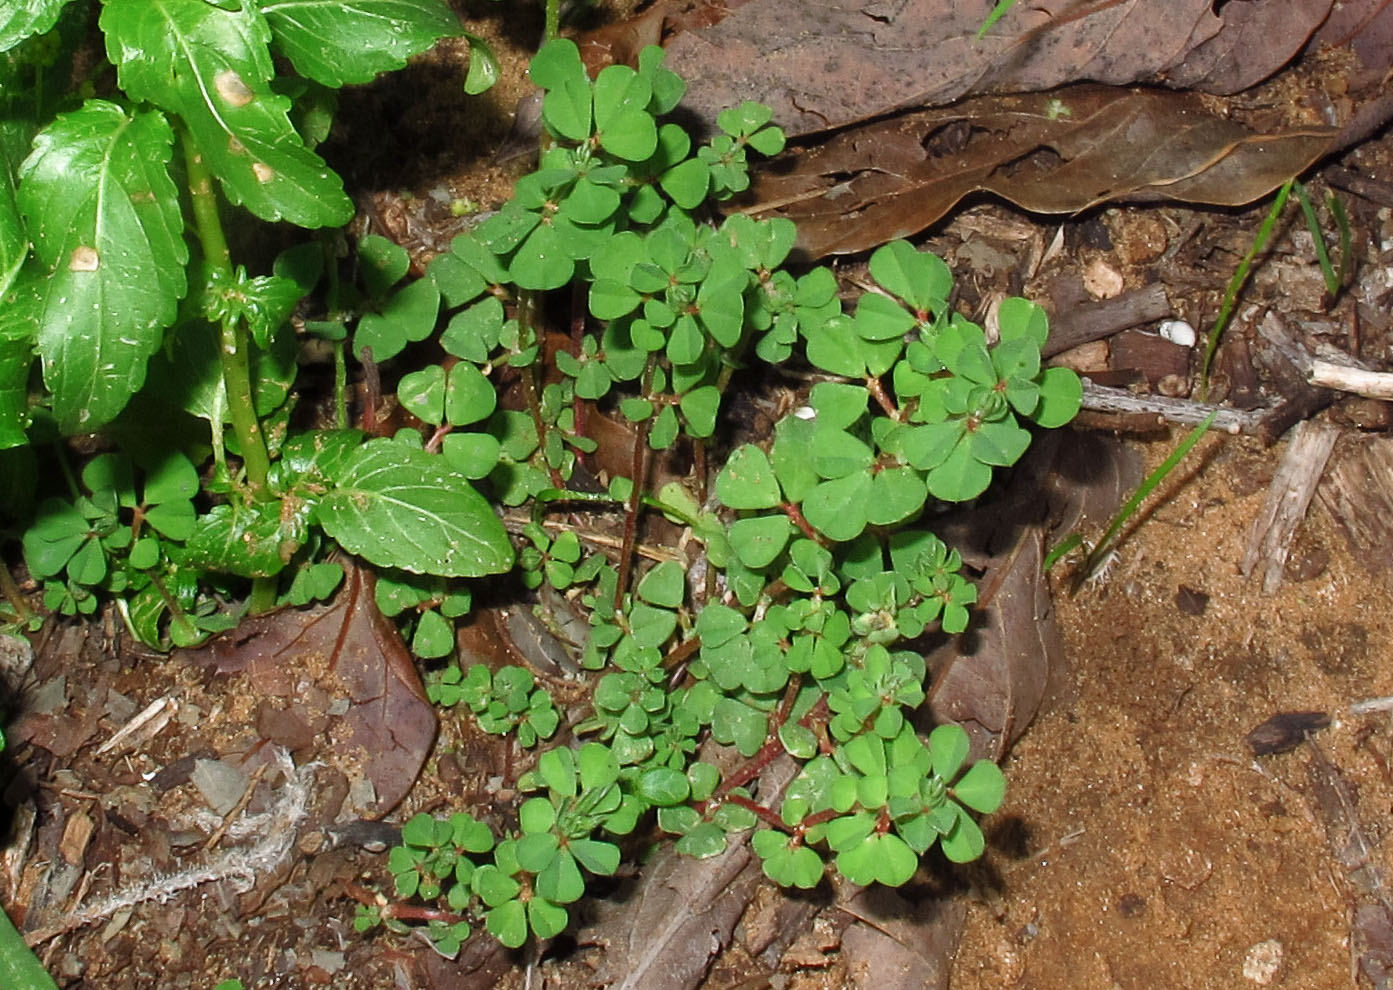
235,346
1236,283
340,386
552,26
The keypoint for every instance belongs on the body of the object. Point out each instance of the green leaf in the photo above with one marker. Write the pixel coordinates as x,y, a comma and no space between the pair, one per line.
982,788
483,66
14,243
408,316
759,540
350,41
919,278
747,481
422,394
948,749
964,841
837,509
402,507
212,66
507,922
665,585
879,859
1061,395
105,221
469,396
699,407
382,263
547,919
960,477
26,18
625,127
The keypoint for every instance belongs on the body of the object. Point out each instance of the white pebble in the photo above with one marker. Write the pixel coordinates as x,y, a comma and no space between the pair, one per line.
1178,332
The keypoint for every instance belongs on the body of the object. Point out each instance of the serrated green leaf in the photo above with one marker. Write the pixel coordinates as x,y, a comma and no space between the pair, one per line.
212,67
350,41
402,507
105,221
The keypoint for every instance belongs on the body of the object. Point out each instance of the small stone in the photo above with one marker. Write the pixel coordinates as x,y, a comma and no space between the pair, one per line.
1190,601
1262,962
221,784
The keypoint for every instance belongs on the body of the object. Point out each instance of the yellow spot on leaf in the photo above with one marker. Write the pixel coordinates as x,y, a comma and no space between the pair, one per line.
232,89
263,172
84,259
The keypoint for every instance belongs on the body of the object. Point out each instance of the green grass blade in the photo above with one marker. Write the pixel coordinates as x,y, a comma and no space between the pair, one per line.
997,12
1240,277
1143,490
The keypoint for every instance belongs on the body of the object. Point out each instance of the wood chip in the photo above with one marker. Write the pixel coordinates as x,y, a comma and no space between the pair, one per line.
1269,540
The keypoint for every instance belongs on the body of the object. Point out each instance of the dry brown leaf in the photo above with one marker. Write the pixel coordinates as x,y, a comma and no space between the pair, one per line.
1057,152
835,63
998,671
683,910
898,945
344,651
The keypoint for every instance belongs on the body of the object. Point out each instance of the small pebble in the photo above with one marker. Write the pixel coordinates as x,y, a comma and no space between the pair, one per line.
1178,332
1262,962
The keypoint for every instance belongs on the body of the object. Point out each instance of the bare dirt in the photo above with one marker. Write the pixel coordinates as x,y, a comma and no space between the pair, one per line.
1143,844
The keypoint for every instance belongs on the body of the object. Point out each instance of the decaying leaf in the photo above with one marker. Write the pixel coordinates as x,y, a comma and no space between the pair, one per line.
823,66
1057,152
997,673
897,945
326,656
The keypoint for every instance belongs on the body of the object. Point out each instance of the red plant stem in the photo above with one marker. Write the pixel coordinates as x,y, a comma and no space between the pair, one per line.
639,468
372,392
796,515
578,310
758,810
877,390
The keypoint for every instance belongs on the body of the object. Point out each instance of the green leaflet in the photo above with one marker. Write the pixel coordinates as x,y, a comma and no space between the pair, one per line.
401,507
14,245
350,41
109,256
211,67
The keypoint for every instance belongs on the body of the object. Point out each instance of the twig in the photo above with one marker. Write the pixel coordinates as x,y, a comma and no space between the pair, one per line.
1101,398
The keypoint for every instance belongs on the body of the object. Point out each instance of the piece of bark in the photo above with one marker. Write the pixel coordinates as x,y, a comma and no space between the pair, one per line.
1095,320
1357,491
1293,486
1150,355
897,945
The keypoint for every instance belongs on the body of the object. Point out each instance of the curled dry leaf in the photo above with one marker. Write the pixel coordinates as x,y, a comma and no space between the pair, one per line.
1057,152
342,652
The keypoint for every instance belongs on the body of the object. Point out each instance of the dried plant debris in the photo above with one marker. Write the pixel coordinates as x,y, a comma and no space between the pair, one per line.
1285,731
1056,152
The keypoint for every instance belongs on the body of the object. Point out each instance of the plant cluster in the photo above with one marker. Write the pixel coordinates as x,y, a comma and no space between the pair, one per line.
815,567
784,630
116,273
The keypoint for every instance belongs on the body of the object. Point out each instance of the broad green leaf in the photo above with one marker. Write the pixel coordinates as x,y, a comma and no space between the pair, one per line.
212,67
1061,394
21,19
837,509
402,507
760,539
408,316
16,356
350,41
249,539
107,231
919,278
189,374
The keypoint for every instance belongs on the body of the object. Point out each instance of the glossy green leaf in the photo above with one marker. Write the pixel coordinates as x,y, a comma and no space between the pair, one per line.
212,66
422,394
14,242
335,42
104,218
469,395
483,66
21,19
919,278
402,507
982,788
408,316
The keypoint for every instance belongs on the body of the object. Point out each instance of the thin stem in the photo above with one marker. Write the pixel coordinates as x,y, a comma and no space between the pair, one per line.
552,28
13,595
640,476
235,346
